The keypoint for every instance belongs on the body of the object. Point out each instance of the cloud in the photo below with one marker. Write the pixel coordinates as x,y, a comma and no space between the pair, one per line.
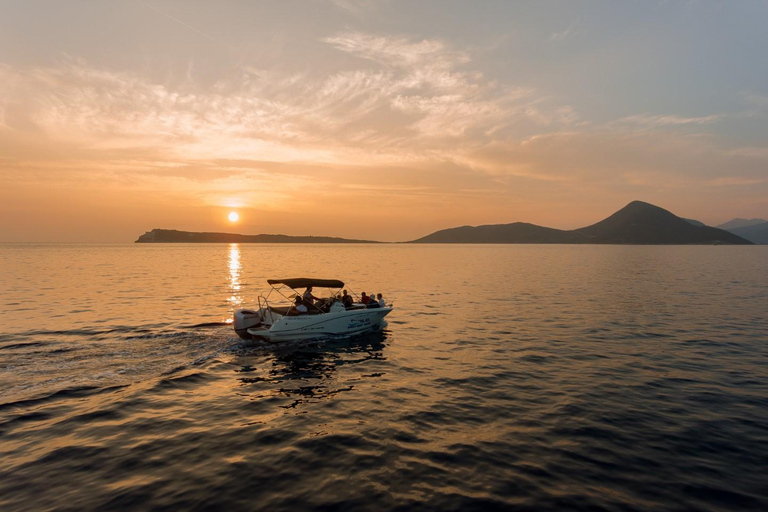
757,104
758,100
660,121
569,31
758,153
602,159
737,181
398,52
409,121
413,96
427,81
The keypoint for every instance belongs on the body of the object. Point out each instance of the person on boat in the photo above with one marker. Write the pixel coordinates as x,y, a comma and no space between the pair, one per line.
346,299
364,298
382,303
309,299
298,307
372,303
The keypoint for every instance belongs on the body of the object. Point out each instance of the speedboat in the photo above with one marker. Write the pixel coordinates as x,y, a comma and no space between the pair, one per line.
319,318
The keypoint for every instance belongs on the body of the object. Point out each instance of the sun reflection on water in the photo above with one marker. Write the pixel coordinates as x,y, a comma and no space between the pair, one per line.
235,299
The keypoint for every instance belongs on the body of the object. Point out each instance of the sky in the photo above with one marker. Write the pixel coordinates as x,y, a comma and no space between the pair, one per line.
375,119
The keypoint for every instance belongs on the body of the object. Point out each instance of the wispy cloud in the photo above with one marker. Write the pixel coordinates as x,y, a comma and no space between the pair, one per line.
757,105
758,100
736,181
409,120
569,31
659,121
399,52
417,94
431,83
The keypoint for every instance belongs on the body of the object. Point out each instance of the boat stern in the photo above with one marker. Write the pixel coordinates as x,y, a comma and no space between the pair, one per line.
246,319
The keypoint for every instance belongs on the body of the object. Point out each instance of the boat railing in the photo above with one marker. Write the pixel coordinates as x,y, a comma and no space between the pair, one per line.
264,306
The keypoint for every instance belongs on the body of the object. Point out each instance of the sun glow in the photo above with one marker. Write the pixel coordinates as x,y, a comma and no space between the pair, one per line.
233,217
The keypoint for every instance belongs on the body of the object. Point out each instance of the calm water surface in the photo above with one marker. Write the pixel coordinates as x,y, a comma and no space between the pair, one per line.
509,377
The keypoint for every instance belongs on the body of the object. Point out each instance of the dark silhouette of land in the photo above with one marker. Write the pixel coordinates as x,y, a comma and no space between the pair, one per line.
755,233
515,233
165,236
637,223
738,222
643,223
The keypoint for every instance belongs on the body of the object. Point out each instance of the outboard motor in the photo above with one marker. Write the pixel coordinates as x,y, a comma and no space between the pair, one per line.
244,320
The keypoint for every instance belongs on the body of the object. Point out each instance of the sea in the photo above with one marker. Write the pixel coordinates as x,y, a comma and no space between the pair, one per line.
508,377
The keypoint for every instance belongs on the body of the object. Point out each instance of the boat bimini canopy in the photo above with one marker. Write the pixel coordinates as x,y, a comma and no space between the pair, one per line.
305,282
295,283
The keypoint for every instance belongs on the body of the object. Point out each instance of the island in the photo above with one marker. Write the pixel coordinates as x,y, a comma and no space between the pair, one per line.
168,236
638,223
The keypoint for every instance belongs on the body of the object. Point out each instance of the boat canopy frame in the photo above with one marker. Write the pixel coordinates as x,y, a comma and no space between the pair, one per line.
298,282
305,282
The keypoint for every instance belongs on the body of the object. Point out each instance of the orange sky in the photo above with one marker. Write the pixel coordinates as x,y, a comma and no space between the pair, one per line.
371,120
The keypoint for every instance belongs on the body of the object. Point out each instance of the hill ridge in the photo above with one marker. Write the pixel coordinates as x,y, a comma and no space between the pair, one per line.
638,223
738,222
158,235
755,233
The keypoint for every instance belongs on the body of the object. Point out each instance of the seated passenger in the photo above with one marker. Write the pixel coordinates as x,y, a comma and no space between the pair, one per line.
346,299
381,301
364,298
298,307
372,303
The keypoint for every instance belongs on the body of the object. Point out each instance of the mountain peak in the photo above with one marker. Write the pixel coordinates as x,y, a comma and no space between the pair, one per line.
644,223
637,203
637,223
642,206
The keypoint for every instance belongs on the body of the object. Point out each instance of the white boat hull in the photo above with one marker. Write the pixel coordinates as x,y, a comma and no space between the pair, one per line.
269,326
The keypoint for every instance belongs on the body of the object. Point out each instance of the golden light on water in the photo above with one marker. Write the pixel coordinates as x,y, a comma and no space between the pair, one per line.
235,299
233,217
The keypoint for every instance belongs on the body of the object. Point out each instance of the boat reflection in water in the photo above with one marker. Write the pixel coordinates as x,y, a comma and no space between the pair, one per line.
307,373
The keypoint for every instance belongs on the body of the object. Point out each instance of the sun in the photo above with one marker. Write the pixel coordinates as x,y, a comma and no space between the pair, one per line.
233,217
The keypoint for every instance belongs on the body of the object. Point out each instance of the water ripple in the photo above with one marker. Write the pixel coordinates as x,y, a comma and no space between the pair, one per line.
607,378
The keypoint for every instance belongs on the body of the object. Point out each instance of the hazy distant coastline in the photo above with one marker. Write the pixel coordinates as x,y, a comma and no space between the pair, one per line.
165,236
638,223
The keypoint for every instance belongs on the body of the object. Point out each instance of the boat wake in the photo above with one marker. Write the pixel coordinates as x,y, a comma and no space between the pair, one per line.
40,363
37,364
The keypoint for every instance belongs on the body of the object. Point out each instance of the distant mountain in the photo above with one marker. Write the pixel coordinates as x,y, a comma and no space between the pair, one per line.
740,223
636,223
756,233
164,236
644,223
695,222
517,233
